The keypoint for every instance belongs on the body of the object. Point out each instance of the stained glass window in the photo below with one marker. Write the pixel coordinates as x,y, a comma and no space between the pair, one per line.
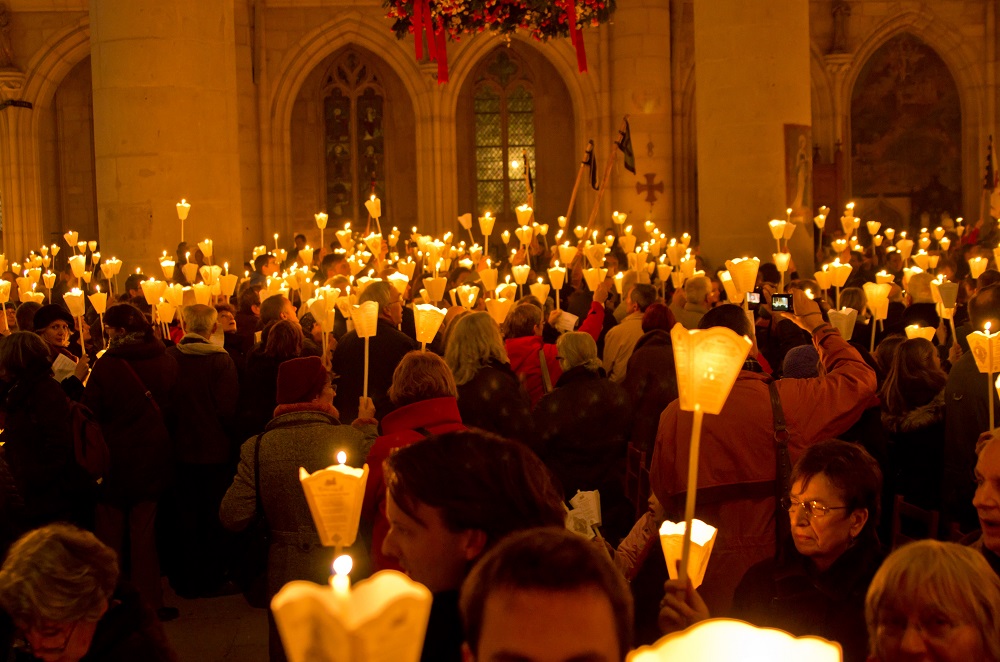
354,110
505,134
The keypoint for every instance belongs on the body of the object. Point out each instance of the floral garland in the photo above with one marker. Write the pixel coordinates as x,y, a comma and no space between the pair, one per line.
541,19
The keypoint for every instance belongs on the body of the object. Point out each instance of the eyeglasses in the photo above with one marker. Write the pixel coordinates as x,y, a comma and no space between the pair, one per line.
814,509
933,626
47,635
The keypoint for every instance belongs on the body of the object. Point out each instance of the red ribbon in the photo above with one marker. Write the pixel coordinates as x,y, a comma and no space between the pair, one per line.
417,24
442,57
576,36
429,29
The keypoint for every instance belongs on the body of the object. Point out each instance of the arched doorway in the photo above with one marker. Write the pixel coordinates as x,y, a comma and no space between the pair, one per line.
906,134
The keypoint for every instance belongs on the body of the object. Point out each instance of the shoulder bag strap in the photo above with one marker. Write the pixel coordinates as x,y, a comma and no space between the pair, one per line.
546,378
783,468
142,385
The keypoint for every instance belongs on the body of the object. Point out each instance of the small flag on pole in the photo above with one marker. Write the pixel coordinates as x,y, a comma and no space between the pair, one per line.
625,145
590,160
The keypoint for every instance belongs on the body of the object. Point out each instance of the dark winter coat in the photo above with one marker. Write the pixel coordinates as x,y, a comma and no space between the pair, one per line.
793,596
651,383
309,439
386,349
133,423
258,394
916,452
204,400
494,400
38,446
582,429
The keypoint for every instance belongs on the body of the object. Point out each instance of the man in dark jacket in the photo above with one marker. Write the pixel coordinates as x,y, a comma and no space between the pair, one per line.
386,349
205,402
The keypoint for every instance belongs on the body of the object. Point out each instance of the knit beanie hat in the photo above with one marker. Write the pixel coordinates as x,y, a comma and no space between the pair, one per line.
48,314
301,380
801,363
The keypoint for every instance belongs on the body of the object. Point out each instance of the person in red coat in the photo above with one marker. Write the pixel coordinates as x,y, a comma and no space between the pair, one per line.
523,342
424,394
738,445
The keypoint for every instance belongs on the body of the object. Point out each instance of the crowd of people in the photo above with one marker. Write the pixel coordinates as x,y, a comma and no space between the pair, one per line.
176,454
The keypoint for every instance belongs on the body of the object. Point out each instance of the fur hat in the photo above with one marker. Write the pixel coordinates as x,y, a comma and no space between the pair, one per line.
52,312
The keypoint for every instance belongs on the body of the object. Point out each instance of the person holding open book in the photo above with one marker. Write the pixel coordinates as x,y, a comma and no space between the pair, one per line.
55,325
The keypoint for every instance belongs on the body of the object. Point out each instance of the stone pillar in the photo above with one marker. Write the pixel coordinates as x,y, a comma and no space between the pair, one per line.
166,127
752,78
640,87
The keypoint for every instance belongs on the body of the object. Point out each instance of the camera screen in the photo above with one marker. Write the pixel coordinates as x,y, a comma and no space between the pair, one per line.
753,297
781,303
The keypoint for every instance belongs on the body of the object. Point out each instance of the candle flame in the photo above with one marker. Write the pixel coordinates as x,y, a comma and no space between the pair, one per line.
341,457
342,565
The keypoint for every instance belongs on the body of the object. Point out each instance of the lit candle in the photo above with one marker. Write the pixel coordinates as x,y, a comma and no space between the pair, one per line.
275,242
340,581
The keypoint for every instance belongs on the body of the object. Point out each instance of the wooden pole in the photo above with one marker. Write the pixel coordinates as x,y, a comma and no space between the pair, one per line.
692,489
576,187
604,182
365,391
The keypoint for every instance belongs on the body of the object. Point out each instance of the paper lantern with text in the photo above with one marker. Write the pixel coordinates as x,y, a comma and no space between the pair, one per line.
210,274
702,541
374,243
707,363
595,255
335,495
427,319
724,640
844,320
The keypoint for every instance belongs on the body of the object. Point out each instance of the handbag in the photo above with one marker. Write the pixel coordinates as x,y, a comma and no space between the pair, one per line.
250,573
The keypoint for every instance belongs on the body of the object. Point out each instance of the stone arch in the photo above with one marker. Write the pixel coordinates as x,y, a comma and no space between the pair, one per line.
349,28
946,41
19,161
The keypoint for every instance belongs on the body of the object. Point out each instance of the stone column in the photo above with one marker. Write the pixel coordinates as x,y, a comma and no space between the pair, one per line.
752,78
165,128
640,87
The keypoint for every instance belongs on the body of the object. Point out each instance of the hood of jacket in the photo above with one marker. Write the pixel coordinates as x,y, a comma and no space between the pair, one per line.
921,417
194,345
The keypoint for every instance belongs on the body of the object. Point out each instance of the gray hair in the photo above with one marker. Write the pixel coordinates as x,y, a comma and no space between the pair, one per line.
380,293
696,289
578,349
57,573
199,319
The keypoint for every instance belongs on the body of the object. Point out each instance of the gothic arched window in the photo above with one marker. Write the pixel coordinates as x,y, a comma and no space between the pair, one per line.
353,109
505,131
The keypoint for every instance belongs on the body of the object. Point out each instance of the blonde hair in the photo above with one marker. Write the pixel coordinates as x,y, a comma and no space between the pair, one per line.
57,573
473,341
578,349
954,579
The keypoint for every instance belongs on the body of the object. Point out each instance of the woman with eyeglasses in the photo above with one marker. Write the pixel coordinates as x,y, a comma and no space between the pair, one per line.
61,600
817,585
934,600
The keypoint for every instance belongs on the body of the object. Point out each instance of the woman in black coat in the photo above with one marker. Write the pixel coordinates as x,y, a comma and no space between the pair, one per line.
280,342
128,391
817,586
490,396
651,379
582,428
38,439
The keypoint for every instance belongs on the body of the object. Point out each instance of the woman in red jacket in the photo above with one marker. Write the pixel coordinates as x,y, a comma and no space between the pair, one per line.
424,393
